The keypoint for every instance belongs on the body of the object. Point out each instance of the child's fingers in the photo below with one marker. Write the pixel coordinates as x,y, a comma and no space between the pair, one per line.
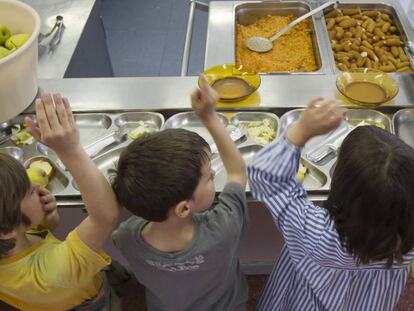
47,198
49,208
69,113
41,117
203,83
341,111
43,191
195,97
60,110
32,128
50,110
328,107
314,102
213,95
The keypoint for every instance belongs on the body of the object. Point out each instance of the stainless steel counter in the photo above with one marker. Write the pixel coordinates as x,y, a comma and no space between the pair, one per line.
220,43
75,14
173,93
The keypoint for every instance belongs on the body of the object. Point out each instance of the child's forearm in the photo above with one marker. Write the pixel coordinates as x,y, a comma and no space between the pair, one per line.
97,194
297,135
277,162
230,155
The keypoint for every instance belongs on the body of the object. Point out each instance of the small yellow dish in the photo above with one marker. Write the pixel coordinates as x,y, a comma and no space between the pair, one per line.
367,87
231,83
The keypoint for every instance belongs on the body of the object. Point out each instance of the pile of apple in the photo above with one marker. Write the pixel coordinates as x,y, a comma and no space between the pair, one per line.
10,43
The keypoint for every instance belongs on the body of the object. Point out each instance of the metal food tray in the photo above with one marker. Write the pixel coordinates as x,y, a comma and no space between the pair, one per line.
322,172
242,119
249,12
131,120
248,147
189,121
403,122
92,126
248,152
403,26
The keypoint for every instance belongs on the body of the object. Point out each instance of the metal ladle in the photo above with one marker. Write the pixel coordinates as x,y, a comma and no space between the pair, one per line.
260,44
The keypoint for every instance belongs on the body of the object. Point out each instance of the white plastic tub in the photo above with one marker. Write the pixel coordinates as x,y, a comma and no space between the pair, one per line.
18,71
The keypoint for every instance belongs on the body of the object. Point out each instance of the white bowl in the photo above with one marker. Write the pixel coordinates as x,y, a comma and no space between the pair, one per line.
18,71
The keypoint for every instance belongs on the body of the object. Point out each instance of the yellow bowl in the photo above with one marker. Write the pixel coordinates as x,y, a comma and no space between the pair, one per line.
231,83
370,87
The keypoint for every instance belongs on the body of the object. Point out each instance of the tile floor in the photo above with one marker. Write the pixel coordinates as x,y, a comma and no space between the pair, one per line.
146,38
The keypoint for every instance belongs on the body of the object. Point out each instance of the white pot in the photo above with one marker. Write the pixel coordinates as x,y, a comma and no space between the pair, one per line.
18,71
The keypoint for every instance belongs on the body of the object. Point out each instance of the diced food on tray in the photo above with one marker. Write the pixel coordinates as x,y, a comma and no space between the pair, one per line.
38,176
262,132
143,129
368,122
21,136
43,165
40,172
302,171
366,39
292,52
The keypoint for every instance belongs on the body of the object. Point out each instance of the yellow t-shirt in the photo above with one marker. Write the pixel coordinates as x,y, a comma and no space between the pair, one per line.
52,274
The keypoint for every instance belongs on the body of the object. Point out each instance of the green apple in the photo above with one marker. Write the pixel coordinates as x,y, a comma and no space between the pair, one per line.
4,34
4,52
38,176
16,41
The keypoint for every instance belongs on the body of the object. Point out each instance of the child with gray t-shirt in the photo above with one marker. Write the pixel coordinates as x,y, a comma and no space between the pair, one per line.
179,247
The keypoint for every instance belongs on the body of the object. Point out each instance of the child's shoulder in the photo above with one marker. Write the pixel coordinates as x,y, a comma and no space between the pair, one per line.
232,198
128,229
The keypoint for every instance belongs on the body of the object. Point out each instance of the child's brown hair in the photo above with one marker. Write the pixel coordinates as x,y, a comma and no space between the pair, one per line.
372,196
14,185
156,172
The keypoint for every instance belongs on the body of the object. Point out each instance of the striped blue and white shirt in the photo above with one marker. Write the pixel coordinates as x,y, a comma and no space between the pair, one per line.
314,272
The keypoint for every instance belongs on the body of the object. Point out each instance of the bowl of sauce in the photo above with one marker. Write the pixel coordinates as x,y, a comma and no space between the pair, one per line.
367,87
232,83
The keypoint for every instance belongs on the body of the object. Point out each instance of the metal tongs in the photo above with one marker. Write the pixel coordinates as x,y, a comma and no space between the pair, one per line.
57,31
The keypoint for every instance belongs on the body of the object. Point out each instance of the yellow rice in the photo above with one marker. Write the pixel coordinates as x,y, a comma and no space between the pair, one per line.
292,52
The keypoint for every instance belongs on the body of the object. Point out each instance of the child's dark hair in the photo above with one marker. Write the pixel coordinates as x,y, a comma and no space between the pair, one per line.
14,185
156,172
372,196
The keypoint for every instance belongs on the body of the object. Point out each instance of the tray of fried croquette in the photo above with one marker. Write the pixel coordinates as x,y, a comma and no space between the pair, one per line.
369,35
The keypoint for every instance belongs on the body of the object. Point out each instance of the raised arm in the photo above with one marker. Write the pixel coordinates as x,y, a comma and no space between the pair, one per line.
204,102
272,172
58,130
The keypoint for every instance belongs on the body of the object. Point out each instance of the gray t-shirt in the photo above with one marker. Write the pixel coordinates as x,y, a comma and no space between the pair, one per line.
204,276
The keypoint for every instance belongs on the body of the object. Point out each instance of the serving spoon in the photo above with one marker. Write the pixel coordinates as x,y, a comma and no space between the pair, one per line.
260,44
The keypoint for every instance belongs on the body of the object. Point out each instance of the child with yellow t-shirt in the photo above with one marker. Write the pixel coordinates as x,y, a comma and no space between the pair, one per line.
38,271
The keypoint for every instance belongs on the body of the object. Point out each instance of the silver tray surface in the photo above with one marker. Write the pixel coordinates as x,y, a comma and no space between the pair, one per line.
403,122
190,121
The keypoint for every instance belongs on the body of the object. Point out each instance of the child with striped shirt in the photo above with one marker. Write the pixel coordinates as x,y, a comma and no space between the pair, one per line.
355,252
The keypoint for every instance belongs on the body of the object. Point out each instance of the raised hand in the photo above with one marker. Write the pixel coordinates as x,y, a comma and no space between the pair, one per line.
204,100
318,118
56,126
